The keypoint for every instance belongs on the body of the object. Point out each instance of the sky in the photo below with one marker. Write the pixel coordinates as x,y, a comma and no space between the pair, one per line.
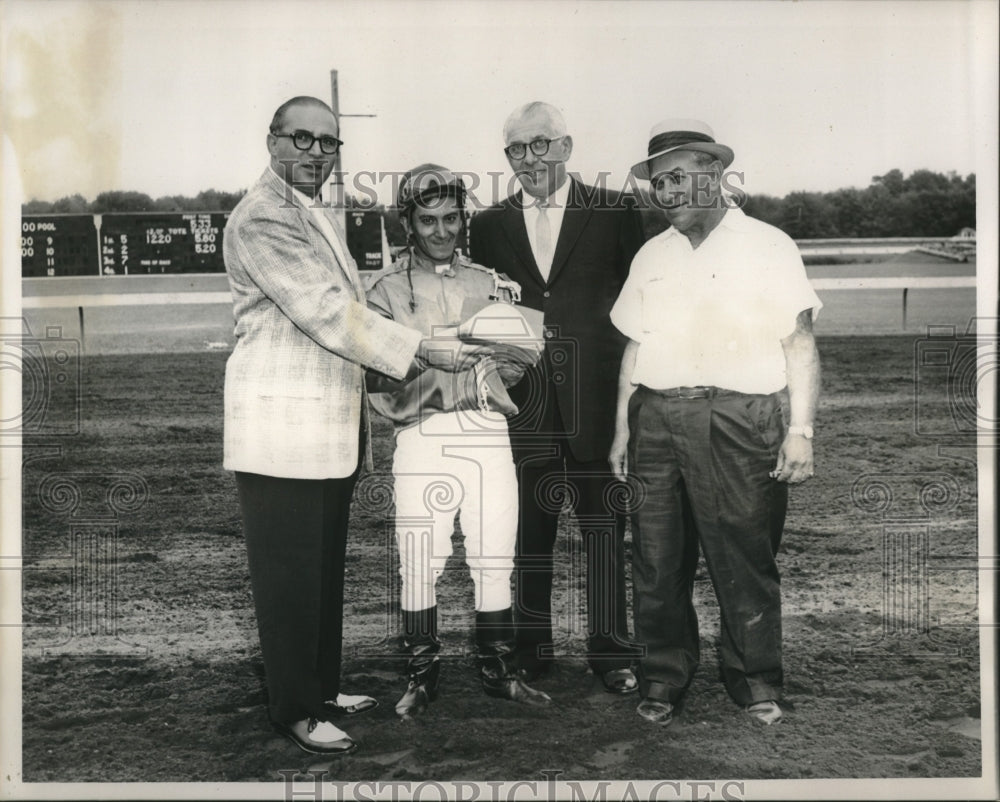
174,97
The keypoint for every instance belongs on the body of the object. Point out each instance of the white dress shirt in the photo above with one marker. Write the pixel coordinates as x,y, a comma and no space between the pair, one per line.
320,212
716,314
555,209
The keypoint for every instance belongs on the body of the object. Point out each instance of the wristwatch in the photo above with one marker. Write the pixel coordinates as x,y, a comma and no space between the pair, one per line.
805,431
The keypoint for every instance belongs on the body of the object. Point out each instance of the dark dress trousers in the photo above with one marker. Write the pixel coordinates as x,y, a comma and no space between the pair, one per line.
296,536
294,409
562,433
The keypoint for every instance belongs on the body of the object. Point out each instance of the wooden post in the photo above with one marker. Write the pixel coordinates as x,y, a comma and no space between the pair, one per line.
337,179
905,290
339,199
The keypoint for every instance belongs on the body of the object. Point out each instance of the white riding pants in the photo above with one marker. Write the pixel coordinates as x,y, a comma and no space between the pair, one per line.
451,462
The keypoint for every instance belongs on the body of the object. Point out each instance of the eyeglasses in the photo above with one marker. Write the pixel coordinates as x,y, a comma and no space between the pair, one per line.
518,150
303,140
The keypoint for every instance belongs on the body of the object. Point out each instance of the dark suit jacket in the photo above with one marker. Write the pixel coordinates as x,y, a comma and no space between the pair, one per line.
601,232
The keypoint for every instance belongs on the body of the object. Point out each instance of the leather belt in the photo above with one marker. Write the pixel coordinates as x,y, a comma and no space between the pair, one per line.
691,393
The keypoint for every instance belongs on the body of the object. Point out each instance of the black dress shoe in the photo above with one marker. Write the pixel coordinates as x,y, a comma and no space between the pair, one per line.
349,705
317,737
620,681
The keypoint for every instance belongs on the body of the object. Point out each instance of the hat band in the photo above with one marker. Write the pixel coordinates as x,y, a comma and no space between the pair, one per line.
671,139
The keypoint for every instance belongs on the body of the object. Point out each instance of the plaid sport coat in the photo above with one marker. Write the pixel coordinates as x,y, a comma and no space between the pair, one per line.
294,391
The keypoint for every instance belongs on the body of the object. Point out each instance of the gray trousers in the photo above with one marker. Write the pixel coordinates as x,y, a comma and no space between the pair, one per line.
705,462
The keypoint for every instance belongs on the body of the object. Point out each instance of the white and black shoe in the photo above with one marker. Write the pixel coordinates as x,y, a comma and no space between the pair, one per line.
347,704
317,737
767,712
656,711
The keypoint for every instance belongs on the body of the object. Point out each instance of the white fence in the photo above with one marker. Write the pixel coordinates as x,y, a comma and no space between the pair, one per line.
221,298
958,249
212,288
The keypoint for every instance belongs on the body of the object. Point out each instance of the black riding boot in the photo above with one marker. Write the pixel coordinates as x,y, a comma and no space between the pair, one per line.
424,666
497,670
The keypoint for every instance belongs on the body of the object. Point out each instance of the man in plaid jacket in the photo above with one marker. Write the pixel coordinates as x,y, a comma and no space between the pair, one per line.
295,414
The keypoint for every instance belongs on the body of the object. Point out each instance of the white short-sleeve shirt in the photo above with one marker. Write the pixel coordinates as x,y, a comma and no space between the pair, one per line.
715,315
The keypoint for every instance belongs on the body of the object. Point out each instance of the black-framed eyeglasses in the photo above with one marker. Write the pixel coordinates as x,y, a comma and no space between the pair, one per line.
303,140
518,150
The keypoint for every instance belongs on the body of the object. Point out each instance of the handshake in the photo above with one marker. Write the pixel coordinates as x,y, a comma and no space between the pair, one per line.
447,351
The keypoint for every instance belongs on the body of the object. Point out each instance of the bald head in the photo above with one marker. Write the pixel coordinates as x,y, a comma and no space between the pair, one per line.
304,101
310,119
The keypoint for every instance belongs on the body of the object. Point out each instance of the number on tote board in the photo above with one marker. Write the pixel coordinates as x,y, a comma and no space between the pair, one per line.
155,236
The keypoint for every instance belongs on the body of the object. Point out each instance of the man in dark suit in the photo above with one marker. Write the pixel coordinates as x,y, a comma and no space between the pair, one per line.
569,246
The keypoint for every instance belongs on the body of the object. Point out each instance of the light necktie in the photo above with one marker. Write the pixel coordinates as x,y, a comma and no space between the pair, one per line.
543,241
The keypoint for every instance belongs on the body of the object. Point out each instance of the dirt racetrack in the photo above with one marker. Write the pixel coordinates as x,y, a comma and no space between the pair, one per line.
141,660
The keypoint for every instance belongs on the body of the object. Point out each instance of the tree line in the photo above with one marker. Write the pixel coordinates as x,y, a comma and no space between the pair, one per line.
923,204
209,200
